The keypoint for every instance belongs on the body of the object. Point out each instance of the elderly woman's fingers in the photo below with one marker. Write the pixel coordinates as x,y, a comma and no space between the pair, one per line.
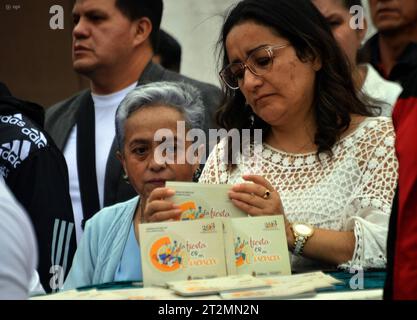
160,193
165,215
155,206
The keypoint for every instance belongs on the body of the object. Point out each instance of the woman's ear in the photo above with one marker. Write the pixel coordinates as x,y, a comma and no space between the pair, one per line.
142,29
361,32
200,152
316,63
121,158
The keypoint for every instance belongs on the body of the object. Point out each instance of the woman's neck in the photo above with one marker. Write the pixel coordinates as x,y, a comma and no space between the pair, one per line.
138,217
359,76
298,138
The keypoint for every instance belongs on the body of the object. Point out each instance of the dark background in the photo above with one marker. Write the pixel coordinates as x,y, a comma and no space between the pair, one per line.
35,61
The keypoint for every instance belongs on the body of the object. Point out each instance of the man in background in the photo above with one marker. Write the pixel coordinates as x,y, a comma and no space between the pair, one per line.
393,51
113,45
168,53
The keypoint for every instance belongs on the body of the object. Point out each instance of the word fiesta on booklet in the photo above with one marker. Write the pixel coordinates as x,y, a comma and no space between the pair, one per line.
208,245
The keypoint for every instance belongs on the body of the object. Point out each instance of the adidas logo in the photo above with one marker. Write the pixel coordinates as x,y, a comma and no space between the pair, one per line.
4,172
36,137
15,152
15,119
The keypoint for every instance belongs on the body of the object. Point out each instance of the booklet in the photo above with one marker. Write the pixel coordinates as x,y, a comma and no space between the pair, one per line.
286,287
183,250
199,201
260,246
218,285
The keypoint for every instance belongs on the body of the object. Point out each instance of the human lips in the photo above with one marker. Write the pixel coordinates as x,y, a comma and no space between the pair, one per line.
384,9
80,48
156,182
262,97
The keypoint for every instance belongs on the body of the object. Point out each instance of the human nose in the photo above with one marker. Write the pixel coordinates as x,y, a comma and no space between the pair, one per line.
250,80
81,29
157,162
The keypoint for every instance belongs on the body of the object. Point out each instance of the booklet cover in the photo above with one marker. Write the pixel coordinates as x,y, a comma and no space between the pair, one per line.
229,246
199,201
183,250
260,246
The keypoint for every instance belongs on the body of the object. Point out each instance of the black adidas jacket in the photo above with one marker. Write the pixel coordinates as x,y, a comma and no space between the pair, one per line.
36,173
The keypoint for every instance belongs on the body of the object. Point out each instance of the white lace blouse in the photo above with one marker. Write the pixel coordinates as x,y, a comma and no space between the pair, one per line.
352,190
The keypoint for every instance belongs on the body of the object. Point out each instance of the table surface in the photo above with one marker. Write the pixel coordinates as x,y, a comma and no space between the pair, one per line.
353,286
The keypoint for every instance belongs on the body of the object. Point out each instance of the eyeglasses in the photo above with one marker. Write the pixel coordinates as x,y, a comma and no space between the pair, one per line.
259,62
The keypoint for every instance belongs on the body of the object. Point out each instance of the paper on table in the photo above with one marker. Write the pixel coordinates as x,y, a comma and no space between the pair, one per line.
217,285
287,287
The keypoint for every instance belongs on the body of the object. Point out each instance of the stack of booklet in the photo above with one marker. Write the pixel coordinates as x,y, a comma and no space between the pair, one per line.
214,239
231,287
286,287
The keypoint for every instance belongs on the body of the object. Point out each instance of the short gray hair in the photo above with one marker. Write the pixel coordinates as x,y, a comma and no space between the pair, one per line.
178,95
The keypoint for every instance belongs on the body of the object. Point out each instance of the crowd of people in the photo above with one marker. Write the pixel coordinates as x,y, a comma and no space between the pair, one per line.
336,158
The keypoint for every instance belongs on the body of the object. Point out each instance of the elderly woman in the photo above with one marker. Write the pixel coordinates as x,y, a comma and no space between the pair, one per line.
350,37
327,166
109,250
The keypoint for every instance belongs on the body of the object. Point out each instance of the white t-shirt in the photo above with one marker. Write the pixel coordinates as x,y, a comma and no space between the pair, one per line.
105,110
383,90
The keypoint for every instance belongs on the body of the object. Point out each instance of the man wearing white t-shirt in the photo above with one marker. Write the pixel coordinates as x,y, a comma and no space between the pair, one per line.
113,45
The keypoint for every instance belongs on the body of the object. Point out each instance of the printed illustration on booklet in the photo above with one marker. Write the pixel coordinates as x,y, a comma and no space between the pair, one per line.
213,248
166,256
260,246
201,201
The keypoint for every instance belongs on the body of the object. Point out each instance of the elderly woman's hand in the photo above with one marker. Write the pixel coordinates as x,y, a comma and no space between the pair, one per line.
159,209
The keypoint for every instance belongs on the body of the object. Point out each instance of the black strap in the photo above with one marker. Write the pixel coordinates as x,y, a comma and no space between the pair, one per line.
86,159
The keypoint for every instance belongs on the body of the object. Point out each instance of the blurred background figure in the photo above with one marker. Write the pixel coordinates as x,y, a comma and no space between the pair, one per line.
17,248
36,173
168,53
366,78
393,51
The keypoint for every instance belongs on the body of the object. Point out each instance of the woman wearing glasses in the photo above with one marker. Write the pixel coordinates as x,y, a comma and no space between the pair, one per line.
327,165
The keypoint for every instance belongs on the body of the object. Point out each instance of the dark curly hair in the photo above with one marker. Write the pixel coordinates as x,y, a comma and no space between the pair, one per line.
308,32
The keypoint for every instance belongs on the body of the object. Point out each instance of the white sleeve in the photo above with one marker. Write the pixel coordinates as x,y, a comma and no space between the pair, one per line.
371,206
18,249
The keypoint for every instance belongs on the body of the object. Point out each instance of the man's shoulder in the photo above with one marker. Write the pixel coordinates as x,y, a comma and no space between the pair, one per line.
204,87
57,109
